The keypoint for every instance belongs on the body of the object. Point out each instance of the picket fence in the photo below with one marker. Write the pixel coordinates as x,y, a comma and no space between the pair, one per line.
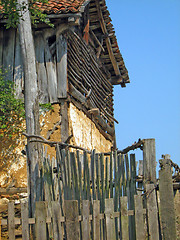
82,195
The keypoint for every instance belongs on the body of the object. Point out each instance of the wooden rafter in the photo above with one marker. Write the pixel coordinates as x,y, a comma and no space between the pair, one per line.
108,43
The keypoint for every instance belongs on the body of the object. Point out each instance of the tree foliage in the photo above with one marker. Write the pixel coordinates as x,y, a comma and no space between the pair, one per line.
11,109
11,11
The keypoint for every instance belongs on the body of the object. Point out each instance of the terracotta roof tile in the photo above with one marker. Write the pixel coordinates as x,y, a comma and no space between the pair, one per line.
61,6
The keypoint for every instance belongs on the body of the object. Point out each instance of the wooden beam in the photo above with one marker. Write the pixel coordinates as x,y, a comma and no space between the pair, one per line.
11,191
108,42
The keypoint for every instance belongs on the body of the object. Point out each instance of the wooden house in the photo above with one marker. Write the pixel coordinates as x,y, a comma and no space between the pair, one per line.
78,62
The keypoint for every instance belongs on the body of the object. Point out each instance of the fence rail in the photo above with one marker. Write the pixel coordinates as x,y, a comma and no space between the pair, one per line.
99,197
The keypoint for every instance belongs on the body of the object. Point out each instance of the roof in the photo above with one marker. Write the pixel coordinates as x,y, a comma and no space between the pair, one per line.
100,22
61,6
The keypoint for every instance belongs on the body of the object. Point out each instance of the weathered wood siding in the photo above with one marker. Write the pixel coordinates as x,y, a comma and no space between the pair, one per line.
87,77
49,66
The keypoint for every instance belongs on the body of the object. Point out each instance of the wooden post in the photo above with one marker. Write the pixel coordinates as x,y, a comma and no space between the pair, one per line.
11,223
124,218
85,222
25,220
72,223
152,212
96,220
167,200
110,223
149,161
56,219
177,212
40,220
31,102
139,219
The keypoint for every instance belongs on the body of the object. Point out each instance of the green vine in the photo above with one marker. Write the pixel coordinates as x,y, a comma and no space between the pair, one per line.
12,14
11,109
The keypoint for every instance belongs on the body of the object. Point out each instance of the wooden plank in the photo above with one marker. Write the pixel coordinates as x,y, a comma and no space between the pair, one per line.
41,215
64,121
18,69
139,219
41,69
167,208
56,220
25,220
110,223
72,223
140,173
107,178
111,175
177,212
96,220
11,191
50,61
97,176
149,161
124,218
8,52
108,43
152,212
93,175
61,51
11,222
132,192
85,222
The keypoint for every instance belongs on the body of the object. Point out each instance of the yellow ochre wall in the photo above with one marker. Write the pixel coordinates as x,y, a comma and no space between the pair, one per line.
85,134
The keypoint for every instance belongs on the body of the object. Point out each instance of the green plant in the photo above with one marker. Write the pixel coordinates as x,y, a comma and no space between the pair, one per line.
11,11
11,109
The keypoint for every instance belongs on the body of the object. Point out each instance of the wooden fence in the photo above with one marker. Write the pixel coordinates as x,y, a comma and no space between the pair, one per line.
100,196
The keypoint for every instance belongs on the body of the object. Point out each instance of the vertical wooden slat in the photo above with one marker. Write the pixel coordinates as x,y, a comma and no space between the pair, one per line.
111,175
61,50
140,173
69,176
80,175
97,176
18,69
124,218
64,173
167,200
51,73
110,223
107,178
25,220
139,220
56,217
102,202
58,158
85,222
123,177
96,220
93,175
40,213
132,192
149,161
8,52
11,223
177,212
72,224
152,212
40,65
116,190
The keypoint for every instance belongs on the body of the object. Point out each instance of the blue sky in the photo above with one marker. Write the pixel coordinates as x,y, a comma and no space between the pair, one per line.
148,34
